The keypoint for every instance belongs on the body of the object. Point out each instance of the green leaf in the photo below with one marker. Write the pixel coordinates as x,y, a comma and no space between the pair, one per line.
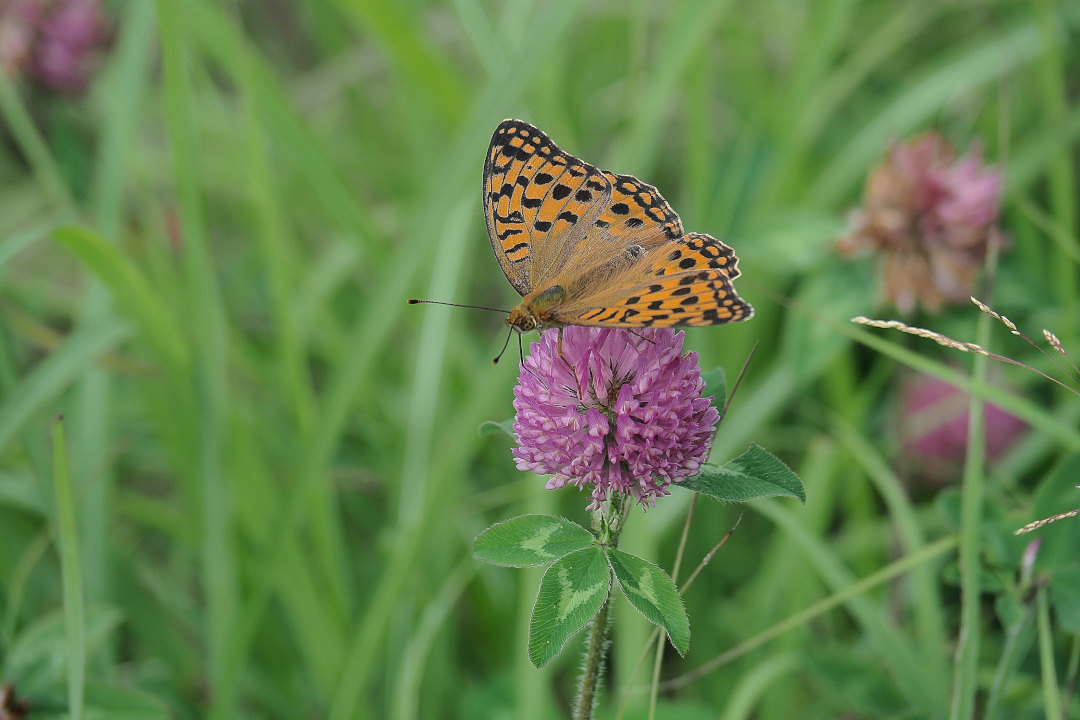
23,492
117,702
1058,494
38,654
653,593
756,473
50,377
1009,609
492,427
530,540
716,385
12,246
573,590
1001,550
865,686
132,290
1065,598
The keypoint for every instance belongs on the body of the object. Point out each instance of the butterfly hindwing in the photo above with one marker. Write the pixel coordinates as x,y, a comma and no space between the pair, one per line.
685,282
701,298
538,202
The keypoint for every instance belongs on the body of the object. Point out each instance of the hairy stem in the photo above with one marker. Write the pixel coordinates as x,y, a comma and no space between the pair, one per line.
595,652
608,523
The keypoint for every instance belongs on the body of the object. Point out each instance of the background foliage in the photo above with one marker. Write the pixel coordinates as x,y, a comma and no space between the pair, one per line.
275,469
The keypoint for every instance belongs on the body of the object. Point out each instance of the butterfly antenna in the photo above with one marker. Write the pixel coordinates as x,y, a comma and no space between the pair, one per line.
505,345
414,301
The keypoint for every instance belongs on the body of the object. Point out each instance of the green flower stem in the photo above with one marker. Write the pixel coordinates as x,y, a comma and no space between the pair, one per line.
1051,693
966,662
607,523
594,662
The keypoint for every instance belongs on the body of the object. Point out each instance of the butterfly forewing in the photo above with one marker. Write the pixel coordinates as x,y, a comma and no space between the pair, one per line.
636,214
635,207
695,251
538,202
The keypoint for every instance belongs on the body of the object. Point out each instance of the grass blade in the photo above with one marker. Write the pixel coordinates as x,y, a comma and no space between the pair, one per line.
68,539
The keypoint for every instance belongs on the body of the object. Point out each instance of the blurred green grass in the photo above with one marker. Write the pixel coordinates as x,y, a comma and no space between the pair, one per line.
275,464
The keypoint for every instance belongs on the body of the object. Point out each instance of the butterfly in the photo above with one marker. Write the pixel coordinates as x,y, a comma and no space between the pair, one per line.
585,246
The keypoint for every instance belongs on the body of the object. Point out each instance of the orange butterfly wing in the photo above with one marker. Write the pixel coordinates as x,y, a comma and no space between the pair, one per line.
636,208
685,282
588,247
538,202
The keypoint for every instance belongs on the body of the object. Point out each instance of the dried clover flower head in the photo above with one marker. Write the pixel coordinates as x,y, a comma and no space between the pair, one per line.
931,217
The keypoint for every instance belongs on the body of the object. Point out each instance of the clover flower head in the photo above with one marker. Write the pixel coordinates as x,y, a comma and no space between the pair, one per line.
56,42
934,417
619,411
931,217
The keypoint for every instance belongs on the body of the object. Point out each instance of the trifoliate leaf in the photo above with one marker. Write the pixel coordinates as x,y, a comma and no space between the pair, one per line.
530,540
573,590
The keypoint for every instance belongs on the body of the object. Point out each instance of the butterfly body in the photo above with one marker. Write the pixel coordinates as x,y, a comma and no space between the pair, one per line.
538,310
585,246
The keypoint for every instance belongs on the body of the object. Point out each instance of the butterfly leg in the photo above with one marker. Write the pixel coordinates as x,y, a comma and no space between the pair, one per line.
523,366
573,371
